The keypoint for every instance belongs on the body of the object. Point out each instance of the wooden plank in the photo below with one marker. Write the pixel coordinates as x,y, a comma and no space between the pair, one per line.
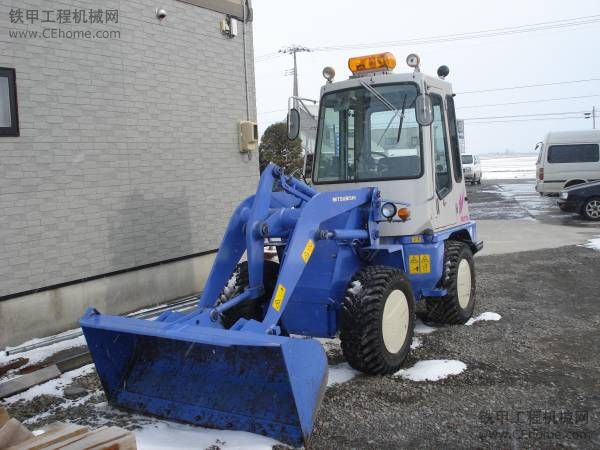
74,362
24,382
3,416
61,444
126,442
13,433
98,439
55,433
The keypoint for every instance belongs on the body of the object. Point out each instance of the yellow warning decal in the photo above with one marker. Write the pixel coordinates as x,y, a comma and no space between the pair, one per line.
425,263
416,239
278,300
308,249
419,264
413,263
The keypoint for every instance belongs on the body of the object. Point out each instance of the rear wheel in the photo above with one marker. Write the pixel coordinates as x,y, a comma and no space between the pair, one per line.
591,209
250,309
377,320
459,280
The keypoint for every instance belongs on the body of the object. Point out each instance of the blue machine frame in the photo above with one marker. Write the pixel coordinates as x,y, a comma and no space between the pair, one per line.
322,239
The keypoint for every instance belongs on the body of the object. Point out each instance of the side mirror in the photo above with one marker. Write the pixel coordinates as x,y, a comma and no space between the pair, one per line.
293,124
424,110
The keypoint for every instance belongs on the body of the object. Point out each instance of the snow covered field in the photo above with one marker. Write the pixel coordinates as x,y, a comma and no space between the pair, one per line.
519,167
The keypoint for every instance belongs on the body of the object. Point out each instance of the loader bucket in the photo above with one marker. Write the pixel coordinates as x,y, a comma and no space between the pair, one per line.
225,379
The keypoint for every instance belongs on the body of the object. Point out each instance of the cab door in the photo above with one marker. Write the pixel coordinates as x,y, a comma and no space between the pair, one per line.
448,202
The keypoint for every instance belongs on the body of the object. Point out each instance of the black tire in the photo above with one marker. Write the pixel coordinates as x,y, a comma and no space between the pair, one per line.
449,309
361,321
250,309
590,209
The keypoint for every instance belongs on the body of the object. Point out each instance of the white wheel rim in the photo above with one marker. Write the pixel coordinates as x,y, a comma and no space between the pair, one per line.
592,209
396,318
463,283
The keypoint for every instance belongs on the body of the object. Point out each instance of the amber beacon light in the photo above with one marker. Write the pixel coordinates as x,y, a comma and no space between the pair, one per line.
372,63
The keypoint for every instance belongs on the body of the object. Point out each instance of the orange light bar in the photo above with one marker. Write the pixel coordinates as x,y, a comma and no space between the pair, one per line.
372,63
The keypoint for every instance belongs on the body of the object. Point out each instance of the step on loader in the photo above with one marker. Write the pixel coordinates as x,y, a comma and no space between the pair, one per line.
384,224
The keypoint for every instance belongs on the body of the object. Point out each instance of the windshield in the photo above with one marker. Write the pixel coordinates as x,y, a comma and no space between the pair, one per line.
368,133
467,159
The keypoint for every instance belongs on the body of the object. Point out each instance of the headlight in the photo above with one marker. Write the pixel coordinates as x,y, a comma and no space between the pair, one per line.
388,210
564,195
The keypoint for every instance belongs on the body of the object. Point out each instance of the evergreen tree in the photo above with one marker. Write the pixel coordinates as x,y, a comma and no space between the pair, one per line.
276,148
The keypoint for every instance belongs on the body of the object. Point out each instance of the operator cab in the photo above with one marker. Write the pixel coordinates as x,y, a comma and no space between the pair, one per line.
396,132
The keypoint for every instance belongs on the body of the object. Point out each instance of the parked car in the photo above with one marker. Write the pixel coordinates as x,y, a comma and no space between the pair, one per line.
471,168
583,199
566,159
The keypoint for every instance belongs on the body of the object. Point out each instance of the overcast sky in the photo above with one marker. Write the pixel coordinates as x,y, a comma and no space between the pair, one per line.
562,54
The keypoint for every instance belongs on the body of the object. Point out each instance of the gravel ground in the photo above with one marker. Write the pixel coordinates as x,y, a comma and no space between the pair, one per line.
538,365
532,378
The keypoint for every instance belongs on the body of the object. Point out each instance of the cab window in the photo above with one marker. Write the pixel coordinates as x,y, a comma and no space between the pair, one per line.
443,180
575,153
454,139
368,135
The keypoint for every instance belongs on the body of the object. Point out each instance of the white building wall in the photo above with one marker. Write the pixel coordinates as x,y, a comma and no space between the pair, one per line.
128,148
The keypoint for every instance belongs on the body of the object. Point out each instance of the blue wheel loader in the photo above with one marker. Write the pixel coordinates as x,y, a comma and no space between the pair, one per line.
383,225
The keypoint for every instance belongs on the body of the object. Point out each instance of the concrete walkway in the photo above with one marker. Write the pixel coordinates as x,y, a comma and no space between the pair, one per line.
508,236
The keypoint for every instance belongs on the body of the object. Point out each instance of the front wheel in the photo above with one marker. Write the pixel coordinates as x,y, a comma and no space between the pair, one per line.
591,209
239,281
377,320
456,307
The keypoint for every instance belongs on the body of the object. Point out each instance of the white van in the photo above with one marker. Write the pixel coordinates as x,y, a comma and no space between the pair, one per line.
567,158
471,165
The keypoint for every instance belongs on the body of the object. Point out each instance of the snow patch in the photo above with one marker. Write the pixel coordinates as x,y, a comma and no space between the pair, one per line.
52,387
483,317
594,244
416,343
42,353
341,373
421,328
432,370
173,436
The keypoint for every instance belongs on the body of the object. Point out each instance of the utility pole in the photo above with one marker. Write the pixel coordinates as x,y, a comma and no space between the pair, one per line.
292,50
587,115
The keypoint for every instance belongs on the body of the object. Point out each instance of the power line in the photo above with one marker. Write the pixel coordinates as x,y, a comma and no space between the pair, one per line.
527,101
525,86
563,23
524,120
526,115
485,105
493,32
272,111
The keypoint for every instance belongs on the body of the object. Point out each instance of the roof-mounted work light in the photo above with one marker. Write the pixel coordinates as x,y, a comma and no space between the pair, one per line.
413,61
329,73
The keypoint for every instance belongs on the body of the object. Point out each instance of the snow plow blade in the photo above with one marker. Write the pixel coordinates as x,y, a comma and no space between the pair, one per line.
271,385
